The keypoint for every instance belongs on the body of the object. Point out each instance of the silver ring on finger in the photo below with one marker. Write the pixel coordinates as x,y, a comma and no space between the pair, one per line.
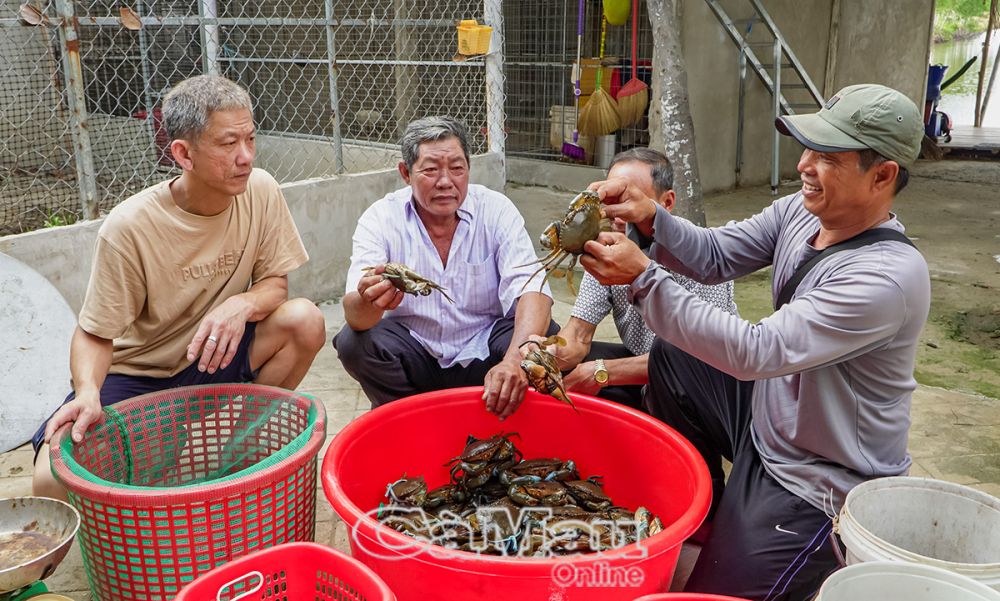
213,339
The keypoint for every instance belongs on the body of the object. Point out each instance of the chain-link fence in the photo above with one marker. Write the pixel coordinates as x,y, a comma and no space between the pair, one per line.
333,82
540,51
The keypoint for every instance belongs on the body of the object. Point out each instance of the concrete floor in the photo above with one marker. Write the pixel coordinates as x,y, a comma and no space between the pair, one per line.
954,435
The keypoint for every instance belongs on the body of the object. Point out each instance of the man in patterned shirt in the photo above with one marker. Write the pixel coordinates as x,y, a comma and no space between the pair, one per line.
616,371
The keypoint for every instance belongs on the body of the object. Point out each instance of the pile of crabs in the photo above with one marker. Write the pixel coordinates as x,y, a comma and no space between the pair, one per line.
499,503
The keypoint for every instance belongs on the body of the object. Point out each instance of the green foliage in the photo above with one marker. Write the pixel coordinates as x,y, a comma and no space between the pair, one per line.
58,218
957,19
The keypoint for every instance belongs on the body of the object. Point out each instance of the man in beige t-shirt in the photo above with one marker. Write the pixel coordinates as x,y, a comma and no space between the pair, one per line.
189,282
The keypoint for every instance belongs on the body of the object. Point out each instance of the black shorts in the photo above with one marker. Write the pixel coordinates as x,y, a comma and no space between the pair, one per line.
118,387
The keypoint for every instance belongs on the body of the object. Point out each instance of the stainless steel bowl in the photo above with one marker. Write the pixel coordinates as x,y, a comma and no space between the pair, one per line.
35,535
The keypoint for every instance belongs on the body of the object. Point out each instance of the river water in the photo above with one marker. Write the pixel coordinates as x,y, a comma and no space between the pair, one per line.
959,100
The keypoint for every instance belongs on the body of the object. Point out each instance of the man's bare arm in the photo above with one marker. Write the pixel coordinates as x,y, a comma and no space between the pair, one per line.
579,335
89,362
504,385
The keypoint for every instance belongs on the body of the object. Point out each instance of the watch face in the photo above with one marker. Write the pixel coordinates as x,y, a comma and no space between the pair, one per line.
601,376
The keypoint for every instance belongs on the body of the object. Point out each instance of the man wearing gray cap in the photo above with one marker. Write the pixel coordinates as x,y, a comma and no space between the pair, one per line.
814,399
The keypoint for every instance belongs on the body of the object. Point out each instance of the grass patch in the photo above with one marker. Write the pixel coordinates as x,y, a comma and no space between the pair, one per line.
59,218
953,355
753,295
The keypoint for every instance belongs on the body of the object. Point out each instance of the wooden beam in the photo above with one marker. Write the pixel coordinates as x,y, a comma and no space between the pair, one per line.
831,51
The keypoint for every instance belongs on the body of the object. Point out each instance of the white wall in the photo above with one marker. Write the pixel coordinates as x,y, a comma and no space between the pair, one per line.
325,211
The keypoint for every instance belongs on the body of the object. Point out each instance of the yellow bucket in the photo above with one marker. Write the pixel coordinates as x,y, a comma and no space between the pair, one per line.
473,38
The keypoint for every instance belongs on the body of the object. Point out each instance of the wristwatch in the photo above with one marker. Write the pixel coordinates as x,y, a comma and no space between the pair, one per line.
600,372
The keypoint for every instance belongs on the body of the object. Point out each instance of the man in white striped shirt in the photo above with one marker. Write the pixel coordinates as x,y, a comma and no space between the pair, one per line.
466,238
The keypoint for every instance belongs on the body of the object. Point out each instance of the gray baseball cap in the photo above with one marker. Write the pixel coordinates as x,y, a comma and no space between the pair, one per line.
859,117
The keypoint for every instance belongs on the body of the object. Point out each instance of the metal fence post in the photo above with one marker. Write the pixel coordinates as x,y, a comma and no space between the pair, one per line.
73,73
406,84
331,55
209,36
495,98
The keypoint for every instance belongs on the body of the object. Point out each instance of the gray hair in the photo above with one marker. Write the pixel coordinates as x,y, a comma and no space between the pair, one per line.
868,158
432,129
660,169
187,107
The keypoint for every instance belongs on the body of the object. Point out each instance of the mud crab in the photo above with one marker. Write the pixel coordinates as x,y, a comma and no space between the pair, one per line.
409,281
547,493
646,524
449,494
407,491
543,372
540,469
583,222
588,493
483,458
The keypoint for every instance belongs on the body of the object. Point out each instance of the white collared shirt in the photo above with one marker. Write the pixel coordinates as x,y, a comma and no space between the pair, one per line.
482,275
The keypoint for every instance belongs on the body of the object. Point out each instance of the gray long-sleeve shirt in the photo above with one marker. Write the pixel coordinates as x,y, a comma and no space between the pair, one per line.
833,367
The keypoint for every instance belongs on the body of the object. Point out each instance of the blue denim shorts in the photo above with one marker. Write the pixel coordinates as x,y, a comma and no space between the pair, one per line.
118,387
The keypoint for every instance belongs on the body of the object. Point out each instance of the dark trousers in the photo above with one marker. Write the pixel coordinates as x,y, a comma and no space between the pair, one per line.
119,387
766,544
390,364
630,395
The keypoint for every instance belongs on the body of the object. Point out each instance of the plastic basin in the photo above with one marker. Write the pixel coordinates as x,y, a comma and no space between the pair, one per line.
643,462
687,597
901,581
925,521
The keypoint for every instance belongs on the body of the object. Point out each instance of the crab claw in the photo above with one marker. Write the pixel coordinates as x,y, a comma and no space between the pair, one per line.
554,339
562,395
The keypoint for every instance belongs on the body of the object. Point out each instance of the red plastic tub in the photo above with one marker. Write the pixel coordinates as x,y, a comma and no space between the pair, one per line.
643,463
293,571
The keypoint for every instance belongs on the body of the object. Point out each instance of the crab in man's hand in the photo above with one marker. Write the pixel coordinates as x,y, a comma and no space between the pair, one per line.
543,372
584,221
407,280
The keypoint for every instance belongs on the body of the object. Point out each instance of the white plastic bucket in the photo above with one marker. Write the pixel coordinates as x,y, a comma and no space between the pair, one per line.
924,521
605,151
900,581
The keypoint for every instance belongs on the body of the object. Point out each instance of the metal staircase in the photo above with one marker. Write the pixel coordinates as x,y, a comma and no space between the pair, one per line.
782,74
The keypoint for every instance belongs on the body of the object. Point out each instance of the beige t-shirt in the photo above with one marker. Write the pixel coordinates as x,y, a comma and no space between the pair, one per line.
158,270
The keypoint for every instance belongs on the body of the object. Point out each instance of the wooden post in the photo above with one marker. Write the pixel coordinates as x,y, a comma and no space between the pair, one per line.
989,86
982,66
